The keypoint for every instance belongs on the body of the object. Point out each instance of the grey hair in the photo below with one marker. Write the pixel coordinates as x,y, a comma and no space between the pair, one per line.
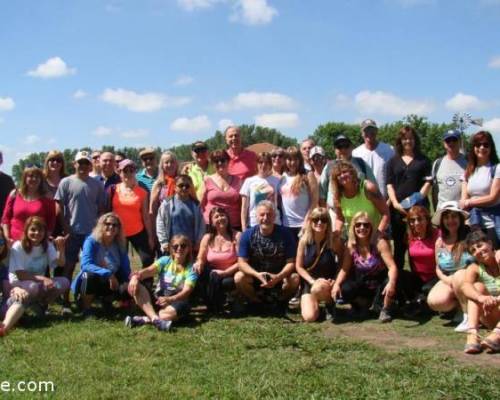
268,204
231,127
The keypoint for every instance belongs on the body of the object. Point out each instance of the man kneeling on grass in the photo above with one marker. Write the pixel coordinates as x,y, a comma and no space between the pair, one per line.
176,281
267,262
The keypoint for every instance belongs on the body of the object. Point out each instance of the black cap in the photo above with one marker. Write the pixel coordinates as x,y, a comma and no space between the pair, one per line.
341,138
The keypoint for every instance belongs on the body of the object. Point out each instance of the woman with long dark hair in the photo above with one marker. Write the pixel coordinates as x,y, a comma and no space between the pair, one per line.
481,186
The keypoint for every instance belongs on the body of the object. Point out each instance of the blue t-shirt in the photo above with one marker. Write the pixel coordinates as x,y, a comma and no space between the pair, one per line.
267,253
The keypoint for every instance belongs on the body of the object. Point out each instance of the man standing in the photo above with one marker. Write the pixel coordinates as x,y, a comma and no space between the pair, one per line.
305,149
242,162
80,200
198,169
6,186
447,170
267,260
146,177
108,174
374,153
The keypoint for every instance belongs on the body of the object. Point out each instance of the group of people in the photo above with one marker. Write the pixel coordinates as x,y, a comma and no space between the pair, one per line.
261,232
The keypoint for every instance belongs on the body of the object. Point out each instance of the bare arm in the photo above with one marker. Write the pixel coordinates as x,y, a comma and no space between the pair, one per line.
300,263
343,273
391,192
446,279
244,212
314,189
373,194
487,200
385,252
201,260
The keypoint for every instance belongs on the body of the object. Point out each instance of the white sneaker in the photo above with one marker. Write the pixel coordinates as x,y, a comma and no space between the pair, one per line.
464,325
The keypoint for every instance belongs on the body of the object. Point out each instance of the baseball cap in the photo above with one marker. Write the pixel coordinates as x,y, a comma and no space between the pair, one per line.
146,152
451,133
367,123
317,150
199,146
341,138
82,155
126,163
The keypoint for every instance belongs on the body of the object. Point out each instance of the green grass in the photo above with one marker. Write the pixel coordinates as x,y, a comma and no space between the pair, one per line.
250,358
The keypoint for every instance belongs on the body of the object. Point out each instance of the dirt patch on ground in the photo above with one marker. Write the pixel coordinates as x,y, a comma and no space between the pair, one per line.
393,340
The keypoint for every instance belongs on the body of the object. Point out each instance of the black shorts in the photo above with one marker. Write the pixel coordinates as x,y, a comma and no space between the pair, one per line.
181,307
93,284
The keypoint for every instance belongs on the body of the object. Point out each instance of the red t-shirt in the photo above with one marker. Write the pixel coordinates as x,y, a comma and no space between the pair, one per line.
423,257
229,200
17,210
242,165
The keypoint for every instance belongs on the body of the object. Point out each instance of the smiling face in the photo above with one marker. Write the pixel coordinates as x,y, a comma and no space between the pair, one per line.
278,160
233,138
82,168
482,251
107,163
362,228
319,222
127,174
169,165
180,249
111,228
451,221
452,145
33,181
265,217
219,221
305,148
408,142
54,164
418,224
370,135
183,188
35,234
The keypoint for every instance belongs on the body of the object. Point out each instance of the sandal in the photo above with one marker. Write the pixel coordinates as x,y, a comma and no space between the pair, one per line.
476,347
492,345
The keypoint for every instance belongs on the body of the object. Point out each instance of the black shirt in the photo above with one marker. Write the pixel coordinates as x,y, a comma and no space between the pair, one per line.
408,179
6,186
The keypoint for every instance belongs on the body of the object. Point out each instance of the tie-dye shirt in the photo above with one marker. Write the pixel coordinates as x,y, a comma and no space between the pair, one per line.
172,277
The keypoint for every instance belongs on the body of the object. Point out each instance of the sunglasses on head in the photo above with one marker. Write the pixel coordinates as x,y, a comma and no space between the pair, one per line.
366,225
323,220
178,246
486,145
32,165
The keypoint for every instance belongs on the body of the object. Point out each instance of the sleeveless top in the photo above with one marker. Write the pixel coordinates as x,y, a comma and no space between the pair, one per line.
326,267
446,261
294,206
360,202
368,269
492,283
167,189
222,259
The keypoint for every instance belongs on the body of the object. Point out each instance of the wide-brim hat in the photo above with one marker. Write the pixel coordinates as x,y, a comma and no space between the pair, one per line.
448,206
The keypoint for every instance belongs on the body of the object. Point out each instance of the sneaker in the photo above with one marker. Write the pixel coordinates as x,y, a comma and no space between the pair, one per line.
294,303
385,316
330,312
67,311
464,325
132,322
162,325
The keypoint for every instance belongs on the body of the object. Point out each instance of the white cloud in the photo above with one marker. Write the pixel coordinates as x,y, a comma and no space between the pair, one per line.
79,94
380,102
464,102
7,104
492,125
257,100
253,12
134,134
199,123
494,62
145,102
102,131
193,5
277,120
54,67
32,139
184,80
224,123
341,100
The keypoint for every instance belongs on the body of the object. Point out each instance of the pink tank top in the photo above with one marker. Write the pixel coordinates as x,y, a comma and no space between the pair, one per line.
230,200
222,259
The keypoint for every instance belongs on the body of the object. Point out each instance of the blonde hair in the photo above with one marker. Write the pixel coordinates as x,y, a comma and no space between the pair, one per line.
185,239
352,240
161,175
337,170
54,154
98,232
308,236
300,179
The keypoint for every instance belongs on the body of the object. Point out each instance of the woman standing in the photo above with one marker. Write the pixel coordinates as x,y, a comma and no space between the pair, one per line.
164,187
408,174
131,203
278,159
369,274
316,265
222,190
105,266
28,201
298,190
176,281
54,170
262,186
481,186
217,260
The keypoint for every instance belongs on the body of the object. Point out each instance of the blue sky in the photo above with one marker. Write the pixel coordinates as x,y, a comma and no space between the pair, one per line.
165,72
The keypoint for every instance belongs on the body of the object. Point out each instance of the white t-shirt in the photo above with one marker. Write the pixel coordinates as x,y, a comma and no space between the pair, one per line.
257,189
376,160
35,262
479,184
295,207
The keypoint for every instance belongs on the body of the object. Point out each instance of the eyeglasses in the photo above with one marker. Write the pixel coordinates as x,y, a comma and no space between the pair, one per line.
56,160
181,246
323,220
365,225
111,225
184,186
486,145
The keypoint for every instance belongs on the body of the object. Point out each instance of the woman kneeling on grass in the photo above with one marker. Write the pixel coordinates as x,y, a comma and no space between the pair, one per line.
176,281
105,266
316,265
373,279
482,288
29,259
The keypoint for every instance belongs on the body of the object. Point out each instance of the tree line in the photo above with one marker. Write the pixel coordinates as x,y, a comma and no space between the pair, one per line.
430,135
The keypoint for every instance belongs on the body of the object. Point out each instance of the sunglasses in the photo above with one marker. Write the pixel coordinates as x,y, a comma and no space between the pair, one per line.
184,186
146,159
56,160
181,246
200,150
486,145
277,156
342,145
32,165
323,220
111,225
366,225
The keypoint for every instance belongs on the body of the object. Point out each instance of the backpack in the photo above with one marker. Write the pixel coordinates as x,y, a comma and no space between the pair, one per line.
435,190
